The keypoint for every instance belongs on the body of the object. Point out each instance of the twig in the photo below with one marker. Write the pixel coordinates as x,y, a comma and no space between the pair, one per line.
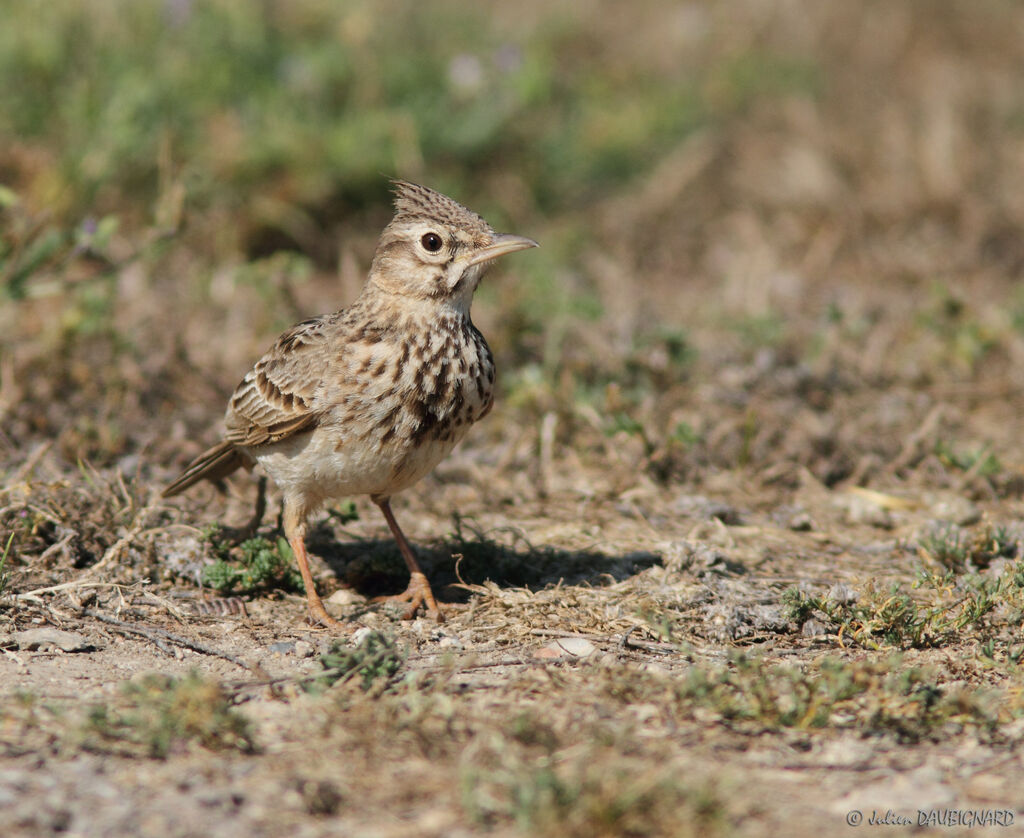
581,634
66,586
647,646
157,635
27,467
625,642
112,553
56,547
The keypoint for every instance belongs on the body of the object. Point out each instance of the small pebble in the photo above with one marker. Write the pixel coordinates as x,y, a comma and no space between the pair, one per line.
813,628
801,522
48,639
860,510
955,508
345,596
842,594
449,642
577,647
359,635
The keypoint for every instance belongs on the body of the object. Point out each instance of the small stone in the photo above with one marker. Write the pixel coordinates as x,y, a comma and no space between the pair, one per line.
371,619
449,642
359,635
304,649
48,639
861,510
576,647
800,522
701,507
813,628
842,594
794,518
955,508
345,596
321,797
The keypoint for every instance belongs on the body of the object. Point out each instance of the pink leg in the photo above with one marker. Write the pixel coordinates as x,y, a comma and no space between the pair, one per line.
418,593
295,532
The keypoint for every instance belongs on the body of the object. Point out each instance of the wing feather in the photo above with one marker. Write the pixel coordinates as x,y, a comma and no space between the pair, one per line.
279,396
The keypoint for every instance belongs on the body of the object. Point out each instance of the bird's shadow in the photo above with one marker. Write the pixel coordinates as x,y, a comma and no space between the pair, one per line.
469,555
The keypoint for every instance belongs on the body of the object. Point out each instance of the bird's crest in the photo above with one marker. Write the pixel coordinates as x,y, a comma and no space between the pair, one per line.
413,202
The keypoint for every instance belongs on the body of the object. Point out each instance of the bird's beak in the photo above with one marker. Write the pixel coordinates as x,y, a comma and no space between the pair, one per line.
500,246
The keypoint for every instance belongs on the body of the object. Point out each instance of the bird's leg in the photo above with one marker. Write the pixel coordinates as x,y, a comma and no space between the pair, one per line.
295,532
236,535
418,593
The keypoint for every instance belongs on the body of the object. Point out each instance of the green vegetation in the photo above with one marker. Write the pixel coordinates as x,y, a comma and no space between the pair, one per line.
158,714
257,564
195,105
251,131
979,461
376,660
941,607
879,697
599,793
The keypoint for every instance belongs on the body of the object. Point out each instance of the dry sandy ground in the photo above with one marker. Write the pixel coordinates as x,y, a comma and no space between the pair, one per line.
541,708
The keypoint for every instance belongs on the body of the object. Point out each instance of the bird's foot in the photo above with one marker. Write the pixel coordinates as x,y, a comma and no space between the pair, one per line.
418,593
319,617
326,621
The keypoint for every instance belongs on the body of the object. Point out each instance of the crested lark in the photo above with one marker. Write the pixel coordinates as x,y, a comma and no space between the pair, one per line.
366,401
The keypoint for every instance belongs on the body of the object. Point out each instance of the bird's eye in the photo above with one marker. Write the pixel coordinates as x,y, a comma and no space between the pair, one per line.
431,242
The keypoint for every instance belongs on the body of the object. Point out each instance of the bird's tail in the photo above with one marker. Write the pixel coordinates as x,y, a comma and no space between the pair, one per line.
214,465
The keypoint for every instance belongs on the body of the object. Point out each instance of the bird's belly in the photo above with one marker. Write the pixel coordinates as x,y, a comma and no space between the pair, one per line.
314,465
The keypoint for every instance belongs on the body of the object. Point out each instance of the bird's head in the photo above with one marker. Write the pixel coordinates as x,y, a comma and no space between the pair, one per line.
435,248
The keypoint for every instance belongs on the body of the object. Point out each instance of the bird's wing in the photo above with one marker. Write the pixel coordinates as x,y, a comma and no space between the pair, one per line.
278,396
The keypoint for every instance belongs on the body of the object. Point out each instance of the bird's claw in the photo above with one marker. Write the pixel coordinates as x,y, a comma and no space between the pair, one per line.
319,618
418,593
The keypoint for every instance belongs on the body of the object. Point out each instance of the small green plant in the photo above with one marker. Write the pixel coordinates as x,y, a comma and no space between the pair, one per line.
622,422
376,660
878,696
799,606
159,714
773,697
954,547
684,434
344,514
943,606
599,794
879,618
947,545
966,340
759,330
980,461
262,564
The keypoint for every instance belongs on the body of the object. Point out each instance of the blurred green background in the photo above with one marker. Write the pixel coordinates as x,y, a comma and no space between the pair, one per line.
305,104
259,128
